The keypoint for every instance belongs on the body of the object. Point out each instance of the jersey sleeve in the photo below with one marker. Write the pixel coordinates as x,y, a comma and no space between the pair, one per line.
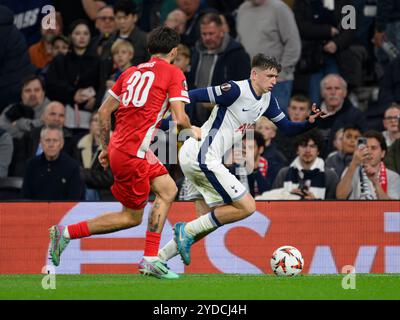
277,116
116,90
177,90
223,95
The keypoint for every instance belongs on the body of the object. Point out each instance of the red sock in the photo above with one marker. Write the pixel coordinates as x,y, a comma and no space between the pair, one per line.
152,244
79,230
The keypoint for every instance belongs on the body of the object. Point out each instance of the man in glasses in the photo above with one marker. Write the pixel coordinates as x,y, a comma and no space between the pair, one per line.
390,122
105,24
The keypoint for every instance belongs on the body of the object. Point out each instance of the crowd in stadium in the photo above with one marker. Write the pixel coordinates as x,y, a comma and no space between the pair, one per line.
56,68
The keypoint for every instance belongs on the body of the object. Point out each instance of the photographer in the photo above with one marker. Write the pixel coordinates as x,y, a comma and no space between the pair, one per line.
367,178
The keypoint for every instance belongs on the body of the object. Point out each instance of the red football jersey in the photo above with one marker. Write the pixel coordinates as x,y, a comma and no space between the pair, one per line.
144,92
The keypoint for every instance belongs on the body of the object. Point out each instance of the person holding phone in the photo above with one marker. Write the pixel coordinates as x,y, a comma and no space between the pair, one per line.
367,178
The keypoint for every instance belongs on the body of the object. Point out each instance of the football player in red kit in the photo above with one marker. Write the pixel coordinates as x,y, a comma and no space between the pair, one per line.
140,97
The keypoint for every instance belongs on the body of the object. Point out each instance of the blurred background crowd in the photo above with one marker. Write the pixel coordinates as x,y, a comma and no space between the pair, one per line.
57,65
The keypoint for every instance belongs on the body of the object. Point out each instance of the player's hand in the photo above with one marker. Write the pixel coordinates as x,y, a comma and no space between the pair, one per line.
103,159
196,133
317,113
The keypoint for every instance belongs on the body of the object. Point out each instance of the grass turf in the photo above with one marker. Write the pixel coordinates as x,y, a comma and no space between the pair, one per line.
192,287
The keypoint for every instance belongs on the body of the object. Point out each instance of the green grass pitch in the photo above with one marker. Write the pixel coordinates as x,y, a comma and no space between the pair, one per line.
207,287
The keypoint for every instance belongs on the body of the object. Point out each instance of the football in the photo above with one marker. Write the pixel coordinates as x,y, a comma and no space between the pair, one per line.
287,261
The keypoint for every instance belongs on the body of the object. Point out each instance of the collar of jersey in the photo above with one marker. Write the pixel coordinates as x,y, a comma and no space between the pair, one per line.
252,90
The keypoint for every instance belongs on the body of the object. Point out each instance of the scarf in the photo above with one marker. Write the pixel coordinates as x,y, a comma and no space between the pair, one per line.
366,192
313,178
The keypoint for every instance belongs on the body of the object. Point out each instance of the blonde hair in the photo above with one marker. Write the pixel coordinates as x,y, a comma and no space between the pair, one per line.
120,43
183,50
267,121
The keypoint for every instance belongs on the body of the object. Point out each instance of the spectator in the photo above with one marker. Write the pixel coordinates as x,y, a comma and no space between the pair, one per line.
387,27
367,178
390,123
106,26
256,164
334,93
307,176
60,45
194,11
325,44
73,79
276,160
126,18
215,61
176,20
23,116
276,35
52,175
298,111
41,53
389,86
341,159
97,180
14,61
6,151
337,142
182,60
122,52
73,10
392,159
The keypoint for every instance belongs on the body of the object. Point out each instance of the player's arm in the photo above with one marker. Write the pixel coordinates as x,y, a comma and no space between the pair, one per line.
223,95
106,109
182,119
276,115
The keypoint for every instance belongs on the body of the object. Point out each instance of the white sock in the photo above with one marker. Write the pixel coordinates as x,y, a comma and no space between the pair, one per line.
202,224
169,251
66,233
151,258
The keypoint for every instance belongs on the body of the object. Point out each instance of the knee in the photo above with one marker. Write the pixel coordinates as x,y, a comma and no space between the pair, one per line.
132,220
169,193
249,207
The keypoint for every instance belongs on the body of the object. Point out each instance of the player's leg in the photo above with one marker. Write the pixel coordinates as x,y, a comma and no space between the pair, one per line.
165,190
106,223
170,250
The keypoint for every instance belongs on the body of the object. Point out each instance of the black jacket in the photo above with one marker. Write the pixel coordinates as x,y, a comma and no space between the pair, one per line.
387,11
52,180
14,59
67,74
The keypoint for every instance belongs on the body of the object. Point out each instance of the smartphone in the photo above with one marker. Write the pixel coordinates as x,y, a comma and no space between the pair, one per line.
362,141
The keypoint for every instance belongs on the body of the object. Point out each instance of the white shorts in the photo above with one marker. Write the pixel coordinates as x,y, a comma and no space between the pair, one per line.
211,181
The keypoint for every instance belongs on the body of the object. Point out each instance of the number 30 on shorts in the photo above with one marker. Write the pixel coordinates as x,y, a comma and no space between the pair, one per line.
139,85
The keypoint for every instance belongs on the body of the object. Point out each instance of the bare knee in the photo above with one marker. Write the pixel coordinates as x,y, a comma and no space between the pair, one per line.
168,194
248,206
132,218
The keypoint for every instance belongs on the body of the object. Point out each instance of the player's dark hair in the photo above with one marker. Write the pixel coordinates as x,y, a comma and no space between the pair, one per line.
211,17
378,136
301,98
162,40
264,62
125,6
32,77
314,135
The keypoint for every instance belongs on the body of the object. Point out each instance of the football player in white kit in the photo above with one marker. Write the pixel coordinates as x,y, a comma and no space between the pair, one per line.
219,196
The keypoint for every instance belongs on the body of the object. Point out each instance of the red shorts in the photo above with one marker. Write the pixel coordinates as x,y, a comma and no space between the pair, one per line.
132,177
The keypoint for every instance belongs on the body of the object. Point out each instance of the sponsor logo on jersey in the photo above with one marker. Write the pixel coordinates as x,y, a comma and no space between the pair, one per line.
226,86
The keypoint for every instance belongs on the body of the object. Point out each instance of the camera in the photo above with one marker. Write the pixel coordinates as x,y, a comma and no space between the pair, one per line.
362,141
